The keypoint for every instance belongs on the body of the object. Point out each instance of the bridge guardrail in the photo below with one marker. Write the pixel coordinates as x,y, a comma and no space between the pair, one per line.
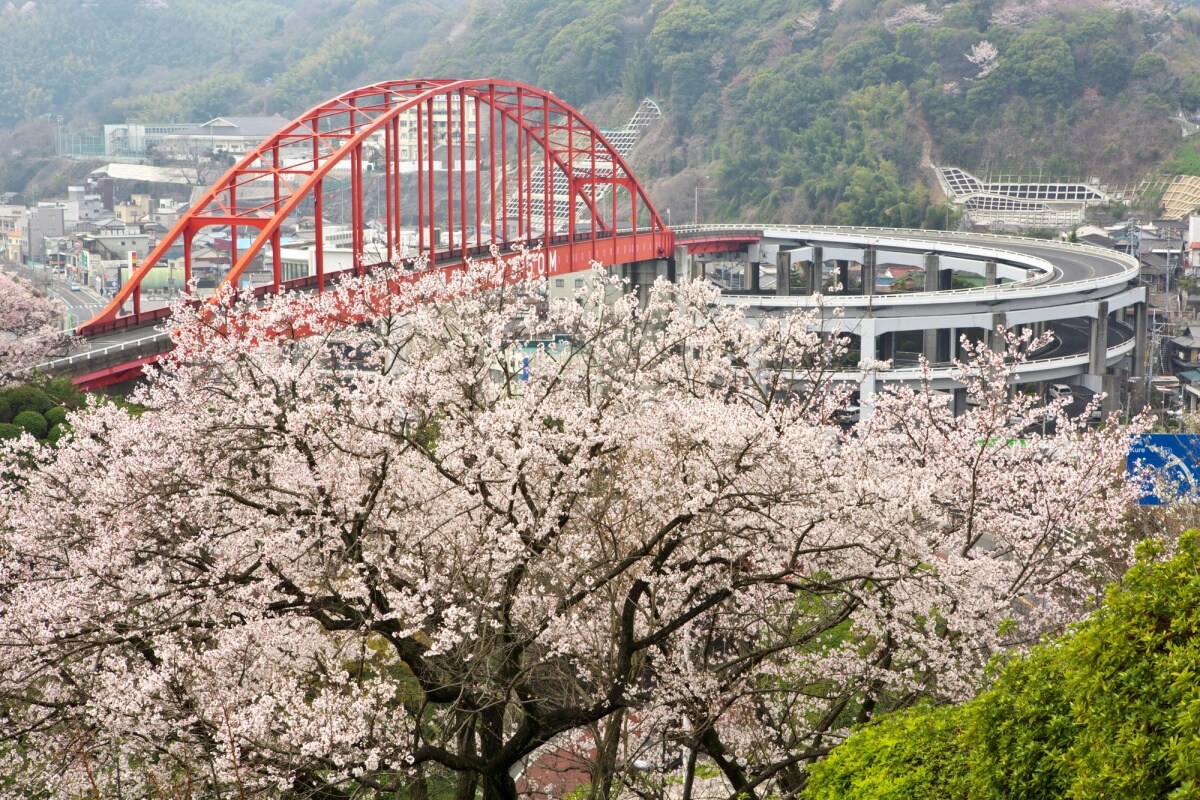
1118,349
101,353
872,231
920,237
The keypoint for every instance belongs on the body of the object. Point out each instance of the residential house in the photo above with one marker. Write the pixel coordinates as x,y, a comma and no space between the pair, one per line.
1184,350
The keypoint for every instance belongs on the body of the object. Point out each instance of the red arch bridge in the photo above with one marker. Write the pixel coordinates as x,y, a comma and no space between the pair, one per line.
445,169
448,169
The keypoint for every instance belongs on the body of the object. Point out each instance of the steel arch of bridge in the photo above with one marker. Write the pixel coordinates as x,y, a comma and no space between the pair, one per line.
552,179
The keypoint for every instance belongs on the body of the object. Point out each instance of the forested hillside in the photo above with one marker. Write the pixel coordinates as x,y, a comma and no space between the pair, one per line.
784,109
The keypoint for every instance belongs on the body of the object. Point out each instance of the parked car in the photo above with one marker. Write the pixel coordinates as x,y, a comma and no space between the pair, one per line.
850,415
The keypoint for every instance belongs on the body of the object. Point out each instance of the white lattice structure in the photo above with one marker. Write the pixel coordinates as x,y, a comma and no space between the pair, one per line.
623,140
1019,203
1182,197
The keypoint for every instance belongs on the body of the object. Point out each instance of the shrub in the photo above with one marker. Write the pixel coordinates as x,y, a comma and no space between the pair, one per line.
56,416
6,412
33,422
56,433
1112,709
909,756
62,391
29,398
10,431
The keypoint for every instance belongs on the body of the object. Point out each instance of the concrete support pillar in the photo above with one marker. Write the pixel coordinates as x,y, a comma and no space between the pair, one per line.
959,402
1139,339
995,334
887,346
684,266
932,261
868,271
938,345
945,280
1111,386
989,273
816,270
1098,346
929,347
869,351
842,266
752,276
642,275
783,274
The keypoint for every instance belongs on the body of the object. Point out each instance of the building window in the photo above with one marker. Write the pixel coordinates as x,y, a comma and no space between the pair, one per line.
560,283
579,283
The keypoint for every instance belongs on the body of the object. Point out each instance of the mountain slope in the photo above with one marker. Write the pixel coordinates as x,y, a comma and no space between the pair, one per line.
787,109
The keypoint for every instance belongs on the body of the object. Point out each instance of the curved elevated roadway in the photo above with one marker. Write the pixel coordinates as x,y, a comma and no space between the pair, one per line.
1091,294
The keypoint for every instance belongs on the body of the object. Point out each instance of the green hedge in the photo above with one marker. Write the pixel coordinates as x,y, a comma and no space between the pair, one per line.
33,422
10,431
56,432
1111,709
28,398
907,756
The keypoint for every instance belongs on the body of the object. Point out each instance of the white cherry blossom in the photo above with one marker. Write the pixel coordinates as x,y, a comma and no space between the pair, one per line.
300,575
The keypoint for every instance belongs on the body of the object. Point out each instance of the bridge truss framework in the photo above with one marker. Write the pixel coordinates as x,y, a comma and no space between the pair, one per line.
513,133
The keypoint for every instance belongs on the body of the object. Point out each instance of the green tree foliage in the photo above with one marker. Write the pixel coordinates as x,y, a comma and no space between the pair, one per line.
39,408
1149,66
1038,66
33,422
583,57
792,97
56,416
767,86
55,433
60,55
339,59
28,398
683,42
1111,709
905,756
1109,68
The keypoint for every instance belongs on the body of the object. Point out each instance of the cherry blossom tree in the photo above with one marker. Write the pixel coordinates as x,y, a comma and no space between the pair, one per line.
1028,13
983,55
427,550
29,328
912,14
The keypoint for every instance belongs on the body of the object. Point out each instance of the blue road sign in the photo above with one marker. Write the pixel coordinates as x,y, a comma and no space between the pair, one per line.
1166,465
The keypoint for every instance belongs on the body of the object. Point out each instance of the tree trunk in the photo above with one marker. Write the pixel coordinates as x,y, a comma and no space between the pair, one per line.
418,787
499,786
689,775
464,788
605,767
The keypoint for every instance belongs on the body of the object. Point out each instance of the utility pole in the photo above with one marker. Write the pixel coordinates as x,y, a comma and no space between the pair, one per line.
696,201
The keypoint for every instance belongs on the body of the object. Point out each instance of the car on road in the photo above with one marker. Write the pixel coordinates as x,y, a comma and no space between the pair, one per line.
848,415
75,287
1057,390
